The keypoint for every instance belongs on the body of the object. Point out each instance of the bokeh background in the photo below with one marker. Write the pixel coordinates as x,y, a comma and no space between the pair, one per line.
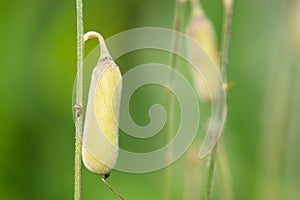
38,69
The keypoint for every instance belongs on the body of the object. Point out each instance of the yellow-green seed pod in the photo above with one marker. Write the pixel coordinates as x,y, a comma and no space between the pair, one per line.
227,4
293,28
202,31
100,134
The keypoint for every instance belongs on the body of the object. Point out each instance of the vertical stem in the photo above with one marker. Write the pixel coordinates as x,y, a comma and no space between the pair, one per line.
210,175
79,98
226,39
177,26
228,5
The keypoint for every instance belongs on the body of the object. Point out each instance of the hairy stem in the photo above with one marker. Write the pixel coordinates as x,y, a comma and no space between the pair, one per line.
79,98
226,34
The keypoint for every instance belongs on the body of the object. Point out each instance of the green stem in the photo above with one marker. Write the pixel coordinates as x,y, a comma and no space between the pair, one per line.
210,175
226,41
79,98
224,72
177,26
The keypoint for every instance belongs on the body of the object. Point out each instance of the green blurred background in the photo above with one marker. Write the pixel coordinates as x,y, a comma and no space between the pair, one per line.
38,69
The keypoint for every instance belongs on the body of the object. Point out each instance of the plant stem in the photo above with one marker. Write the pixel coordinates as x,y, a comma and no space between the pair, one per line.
79,100
226,41
210,175
224,72
177,26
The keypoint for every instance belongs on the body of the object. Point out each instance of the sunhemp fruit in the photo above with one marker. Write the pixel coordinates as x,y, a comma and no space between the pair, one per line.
100,134
202,31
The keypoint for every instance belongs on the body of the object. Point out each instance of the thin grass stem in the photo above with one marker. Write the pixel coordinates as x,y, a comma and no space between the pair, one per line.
226,34
79,100
177,26
211,164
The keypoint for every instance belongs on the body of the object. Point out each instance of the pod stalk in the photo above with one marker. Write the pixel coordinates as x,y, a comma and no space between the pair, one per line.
111,188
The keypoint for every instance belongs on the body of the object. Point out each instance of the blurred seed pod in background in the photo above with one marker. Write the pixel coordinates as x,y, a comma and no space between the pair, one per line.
294,21
227,4
202,31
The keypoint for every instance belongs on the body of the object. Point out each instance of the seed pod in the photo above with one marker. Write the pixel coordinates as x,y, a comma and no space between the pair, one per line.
201,30
100,134
227,4
293,28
